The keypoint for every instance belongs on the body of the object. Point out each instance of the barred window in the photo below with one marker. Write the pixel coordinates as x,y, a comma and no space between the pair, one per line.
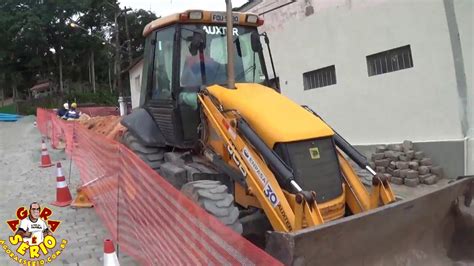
389,61
319,78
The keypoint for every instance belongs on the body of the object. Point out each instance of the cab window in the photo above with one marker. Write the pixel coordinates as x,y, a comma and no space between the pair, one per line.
163,64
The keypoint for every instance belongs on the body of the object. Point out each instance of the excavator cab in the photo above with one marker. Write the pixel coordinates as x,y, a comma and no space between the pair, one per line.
182,57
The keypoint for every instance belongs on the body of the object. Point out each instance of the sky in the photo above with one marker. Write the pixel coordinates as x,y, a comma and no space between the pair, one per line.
166,7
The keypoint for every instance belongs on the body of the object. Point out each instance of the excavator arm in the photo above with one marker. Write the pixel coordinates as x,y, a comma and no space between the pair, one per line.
261,181
286,205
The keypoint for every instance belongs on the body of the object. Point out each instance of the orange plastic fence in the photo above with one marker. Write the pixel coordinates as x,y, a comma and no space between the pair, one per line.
150,220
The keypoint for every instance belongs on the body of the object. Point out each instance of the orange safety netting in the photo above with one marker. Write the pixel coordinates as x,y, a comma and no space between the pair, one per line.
150,220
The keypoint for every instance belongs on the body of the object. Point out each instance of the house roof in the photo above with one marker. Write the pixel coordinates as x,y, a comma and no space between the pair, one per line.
41,87
134,63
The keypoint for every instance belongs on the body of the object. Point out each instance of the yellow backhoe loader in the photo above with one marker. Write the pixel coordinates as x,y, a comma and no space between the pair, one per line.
210,123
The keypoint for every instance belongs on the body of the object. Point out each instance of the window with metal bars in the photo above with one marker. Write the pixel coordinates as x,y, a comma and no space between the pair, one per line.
319,78
389,61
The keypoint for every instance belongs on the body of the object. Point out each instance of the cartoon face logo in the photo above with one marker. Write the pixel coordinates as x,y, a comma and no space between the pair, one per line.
32,241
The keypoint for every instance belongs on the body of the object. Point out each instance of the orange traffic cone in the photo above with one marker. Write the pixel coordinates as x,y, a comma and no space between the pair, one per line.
45,159
63,195
81,200
110,257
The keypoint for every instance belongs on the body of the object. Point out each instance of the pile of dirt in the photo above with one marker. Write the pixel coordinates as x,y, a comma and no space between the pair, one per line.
108,126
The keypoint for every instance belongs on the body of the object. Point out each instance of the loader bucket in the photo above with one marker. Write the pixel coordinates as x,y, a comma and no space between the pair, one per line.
433,229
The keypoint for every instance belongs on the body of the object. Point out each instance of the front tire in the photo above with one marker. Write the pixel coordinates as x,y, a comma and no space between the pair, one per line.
153,156
213,197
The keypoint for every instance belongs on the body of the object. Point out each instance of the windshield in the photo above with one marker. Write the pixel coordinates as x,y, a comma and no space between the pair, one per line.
209,66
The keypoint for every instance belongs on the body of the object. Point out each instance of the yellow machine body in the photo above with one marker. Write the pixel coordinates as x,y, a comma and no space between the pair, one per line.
266,112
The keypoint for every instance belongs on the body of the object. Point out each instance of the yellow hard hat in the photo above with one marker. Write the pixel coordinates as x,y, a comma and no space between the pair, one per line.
74,105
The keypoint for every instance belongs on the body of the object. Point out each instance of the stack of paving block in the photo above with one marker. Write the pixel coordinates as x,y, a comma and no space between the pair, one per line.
403,165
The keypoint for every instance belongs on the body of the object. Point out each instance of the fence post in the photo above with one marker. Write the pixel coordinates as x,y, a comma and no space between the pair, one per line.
118,199
52,132
122,106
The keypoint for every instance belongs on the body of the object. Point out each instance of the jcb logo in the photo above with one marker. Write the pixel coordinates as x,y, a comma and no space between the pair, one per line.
314,152
236,160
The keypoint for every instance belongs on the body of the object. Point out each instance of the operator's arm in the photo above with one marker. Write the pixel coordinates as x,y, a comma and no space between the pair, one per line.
23,233
47,232
189,98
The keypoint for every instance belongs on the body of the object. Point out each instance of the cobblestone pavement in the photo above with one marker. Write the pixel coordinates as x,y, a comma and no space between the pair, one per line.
22,182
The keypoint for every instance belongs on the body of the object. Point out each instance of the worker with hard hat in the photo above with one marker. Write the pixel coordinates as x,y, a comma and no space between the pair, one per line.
72,112
63,110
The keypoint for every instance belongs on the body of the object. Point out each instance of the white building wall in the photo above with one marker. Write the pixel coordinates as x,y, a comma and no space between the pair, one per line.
419,103
135,75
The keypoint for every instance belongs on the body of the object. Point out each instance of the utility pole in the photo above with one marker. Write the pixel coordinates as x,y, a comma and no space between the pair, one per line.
93,70
230,47
118,61
89,74
14,86
110,79
61,86
118,69
129,45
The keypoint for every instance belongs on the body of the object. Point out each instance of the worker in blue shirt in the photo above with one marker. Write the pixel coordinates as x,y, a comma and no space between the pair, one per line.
72,112
63,110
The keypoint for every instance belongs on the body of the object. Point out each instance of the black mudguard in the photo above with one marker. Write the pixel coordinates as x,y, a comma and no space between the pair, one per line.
142,126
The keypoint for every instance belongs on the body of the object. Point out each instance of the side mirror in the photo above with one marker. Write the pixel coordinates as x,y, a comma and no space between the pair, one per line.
255,42
198,41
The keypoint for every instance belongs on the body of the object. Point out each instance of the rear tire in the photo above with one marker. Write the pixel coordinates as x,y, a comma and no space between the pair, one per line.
214,198
153,156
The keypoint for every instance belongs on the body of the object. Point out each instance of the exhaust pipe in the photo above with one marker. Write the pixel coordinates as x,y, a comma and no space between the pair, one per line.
230,47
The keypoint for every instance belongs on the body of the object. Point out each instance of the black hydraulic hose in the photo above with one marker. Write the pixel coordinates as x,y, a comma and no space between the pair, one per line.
267,41
347,148
282,172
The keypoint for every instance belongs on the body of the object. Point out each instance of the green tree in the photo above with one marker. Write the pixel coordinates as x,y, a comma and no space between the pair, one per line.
136,21
37,42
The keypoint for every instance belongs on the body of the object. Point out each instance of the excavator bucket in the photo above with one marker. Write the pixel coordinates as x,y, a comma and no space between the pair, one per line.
433,229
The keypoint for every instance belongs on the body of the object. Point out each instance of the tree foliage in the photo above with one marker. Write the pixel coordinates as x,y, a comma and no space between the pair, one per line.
36,37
